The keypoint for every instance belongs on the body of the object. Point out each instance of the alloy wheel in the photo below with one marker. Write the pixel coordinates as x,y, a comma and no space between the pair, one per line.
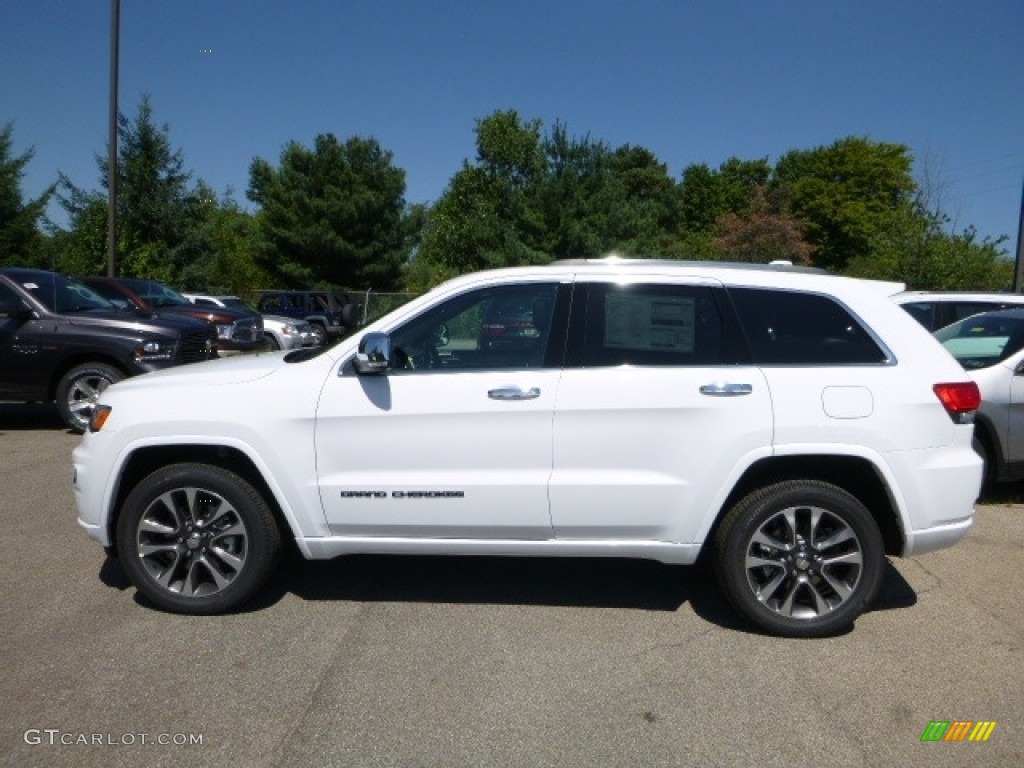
804,562
192,542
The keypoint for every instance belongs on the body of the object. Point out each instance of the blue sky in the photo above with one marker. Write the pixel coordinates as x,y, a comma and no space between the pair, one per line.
691,80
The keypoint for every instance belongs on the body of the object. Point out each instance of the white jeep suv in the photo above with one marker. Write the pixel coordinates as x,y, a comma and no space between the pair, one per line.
793,426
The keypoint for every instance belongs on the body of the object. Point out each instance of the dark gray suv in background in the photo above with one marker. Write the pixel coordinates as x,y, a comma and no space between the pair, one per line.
60,341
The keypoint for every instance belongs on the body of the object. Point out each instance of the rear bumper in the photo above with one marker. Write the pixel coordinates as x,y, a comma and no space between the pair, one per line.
939,537
941,487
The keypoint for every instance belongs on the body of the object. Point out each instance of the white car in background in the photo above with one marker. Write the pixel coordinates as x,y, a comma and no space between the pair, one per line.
937,309
281,332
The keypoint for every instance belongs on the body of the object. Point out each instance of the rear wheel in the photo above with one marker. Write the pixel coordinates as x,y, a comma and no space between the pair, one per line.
800,558
79,389
197,539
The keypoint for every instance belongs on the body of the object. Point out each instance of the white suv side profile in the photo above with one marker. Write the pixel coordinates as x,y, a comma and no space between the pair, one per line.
792,426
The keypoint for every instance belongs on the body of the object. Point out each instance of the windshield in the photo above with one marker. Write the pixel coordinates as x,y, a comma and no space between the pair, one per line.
62,294
983,340
233,302
157,294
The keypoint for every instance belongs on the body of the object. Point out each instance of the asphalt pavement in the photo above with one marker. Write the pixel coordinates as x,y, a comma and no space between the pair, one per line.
401,661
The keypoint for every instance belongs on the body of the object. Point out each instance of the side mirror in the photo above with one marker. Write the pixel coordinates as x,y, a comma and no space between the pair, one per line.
374,355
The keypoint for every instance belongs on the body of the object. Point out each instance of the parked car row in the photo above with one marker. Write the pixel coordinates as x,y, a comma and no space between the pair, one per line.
237,330
330,315
280,332
61,341
66,340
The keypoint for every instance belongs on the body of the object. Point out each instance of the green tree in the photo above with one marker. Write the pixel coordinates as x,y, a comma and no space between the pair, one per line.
595,199
156,207
707,195
155,204
81,249
915,249
222,242
486,218
845,194
333,215
531,198
21,241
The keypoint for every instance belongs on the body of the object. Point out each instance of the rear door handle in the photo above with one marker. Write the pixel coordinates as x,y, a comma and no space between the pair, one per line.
514,393
725,389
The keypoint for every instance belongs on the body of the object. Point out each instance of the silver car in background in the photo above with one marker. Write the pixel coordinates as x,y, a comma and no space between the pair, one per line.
990,347
280,332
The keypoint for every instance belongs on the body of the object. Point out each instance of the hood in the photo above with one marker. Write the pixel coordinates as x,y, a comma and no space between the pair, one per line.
283,320
236,369
135,323
220,315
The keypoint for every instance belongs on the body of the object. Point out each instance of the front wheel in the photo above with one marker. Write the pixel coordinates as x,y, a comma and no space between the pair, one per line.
800,558
78,391
197,539
319,334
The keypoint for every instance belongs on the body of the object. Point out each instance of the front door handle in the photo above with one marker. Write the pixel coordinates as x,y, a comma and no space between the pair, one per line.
725,389
514,393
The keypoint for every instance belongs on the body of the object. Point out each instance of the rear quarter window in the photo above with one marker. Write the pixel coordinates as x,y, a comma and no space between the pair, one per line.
794,328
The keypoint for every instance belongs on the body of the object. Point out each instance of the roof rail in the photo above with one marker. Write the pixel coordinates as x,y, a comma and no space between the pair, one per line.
778,265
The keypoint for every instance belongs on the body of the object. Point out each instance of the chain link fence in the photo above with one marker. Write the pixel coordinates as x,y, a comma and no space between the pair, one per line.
377,304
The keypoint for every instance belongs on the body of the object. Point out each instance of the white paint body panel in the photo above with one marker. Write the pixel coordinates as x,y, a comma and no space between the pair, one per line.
623,461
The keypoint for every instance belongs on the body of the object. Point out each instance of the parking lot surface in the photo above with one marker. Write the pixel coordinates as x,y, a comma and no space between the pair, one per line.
395,661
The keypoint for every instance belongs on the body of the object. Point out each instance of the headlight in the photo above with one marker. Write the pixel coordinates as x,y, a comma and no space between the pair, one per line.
289,330
225,331
155,350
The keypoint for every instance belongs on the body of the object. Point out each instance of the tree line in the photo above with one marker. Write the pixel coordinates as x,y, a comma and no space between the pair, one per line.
335,214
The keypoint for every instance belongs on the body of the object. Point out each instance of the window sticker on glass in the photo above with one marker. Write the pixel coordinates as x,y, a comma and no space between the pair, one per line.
649,322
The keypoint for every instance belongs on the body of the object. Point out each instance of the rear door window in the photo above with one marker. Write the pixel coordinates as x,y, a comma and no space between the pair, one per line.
652,325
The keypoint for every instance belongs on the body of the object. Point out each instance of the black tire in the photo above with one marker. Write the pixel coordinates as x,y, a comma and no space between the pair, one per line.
800,558
272,343
79,389
319,334
197,539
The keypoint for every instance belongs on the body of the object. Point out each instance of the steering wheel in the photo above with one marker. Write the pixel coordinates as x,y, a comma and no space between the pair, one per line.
423,358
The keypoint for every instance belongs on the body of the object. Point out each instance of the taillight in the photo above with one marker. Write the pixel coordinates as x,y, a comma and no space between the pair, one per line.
960,399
